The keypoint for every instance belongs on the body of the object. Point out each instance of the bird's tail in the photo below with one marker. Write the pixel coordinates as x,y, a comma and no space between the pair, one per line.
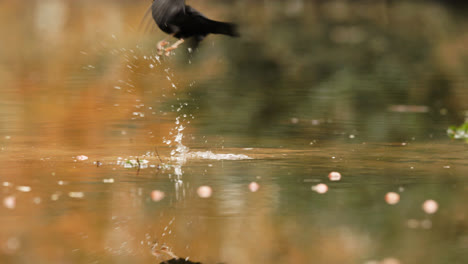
224,28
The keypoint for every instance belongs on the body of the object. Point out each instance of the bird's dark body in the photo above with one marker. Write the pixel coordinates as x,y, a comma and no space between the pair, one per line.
182,21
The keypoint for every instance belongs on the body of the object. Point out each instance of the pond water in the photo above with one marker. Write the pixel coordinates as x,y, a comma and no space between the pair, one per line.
109,152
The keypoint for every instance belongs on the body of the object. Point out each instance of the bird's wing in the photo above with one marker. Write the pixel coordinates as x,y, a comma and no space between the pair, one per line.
205,26
193,12
196,21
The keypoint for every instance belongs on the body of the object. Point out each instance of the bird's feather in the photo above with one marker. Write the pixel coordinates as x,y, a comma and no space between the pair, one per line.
146,23
184,21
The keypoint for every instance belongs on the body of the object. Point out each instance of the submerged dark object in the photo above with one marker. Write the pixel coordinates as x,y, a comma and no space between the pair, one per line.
179,261
183,21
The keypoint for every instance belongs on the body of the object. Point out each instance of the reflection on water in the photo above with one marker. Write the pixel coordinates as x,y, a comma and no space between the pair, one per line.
88,217
109,152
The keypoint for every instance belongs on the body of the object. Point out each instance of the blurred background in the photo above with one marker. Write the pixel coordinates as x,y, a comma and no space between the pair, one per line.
360,62
366,87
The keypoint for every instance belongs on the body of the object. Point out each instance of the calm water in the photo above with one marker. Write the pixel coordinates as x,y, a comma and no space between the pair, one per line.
104,146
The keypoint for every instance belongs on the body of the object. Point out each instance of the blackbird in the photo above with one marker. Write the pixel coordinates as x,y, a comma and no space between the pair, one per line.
183,21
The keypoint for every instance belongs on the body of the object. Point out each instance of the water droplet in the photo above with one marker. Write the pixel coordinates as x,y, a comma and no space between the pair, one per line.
253,186
23,188
204,191
9,202
392,198
320,188
334,176
430,206
81,157
157,195
78,195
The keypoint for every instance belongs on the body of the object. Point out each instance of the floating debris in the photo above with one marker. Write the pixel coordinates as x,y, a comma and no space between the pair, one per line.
23,188
110,180
9,202
157,195
81,157
76,194
334,176
6,184
204,191
134,163
320,188
392,198
253,186
430,206
460,132
128,165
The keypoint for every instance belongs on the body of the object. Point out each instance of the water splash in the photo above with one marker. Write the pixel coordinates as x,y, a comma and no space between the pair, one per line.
180,153
212,156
